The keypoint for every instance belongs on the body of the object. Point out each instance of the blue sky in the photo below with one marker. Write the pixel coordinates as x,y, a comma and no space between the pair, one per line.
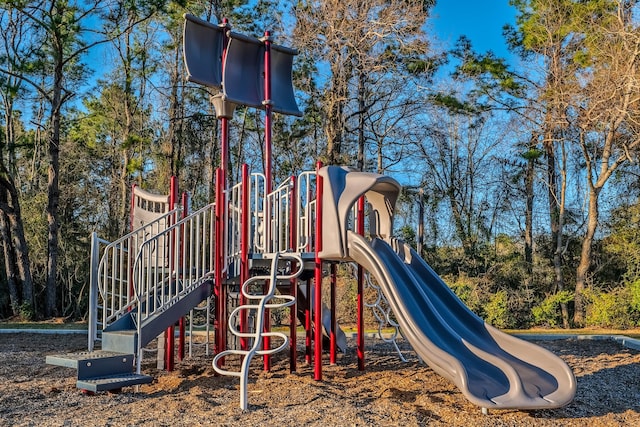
480,20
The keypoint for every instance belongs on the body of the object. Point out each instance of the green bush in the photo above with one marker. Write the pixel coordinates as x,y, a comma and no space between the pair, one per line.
609,309
547,313
26,311
467,290
634,291
497,310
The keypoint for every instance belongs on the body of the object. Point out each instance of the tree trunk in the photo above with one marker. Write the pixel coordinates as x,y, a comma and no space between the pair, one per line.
53,190
361,106
123,214
9,265
16,254
585,256
20,248
556,221
176,118
528,221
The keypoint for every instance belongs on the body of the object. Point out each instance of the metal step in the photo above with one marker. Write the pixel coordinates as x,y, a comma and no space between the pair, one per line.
95,363
112,382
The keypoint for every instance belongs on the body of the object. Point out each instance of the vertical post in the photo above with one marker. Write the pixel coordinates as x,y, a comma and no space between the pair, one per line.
293,285
360,308
93,291
307,324
318,279
266,342
267,108
220,319
307,308
332,334
224,121
173,246
244,250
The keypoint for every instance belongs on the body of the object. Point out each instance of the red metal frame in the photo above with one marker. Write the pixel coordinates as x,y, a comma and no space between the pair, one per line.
220,303
307,324
169,359
244,251
266,341
267,108
220,318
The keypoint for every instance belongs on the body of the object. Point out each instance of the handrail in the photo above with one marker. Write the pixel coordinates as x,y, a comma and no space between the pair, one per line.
277,217
261,305
94,289
113,270
257,205
189,248
269,216
306,211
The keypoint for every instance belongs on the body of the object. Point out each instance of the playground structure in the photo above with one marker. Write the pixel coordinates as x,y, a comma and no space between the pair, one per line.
264,245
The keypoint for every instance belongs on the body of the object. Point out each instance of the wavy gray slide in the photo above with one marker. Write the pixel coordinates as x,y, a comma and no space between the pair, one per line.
492,369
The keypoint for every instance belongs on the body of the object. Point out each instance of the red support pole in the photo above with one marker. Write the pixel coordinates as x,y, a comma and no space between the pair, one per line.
307,308
332,335
169,360
360,308
224,123
318,279
307,324
267,108
244,250
293,284
220,319
266,342
169,347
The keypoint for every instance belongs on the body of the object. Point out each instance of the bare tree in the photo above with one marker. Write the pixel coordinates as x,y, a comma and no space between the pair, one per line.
12,237
359,41
608,114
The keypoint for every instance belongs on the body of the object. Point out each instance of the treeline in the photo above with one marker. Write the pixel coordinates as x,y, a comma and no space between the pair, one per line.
521,175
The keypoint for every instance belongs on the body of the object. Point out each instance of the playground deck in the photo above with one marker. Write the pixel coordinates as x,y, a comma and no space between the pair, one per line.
389,392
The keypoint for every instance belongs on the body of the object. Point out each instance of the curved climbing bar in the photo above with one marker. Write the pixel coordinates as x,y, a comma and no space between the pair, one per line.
261,304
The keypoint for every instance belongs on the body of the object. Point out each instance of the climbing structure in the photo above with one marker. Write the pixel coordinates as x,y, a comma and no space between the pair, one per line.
270,245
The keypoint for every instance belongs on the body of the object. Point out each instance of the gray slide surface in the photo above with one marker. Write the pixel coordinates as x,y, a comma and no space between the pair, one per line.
492,369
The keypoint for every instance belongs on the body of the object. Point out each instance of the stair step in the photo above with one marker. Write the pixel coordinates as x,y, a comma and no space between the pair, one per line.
95,363
111,382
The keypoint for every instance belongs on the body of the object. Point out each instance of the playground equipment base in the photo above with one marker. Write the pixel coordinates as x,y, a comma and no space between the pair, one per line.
101,370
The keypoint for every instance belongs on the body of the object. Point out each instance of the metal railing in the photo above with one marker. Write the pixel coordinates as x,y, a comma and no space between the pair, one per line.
188,248
190,252
306,208
148,269
111,273
256,216
270,215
